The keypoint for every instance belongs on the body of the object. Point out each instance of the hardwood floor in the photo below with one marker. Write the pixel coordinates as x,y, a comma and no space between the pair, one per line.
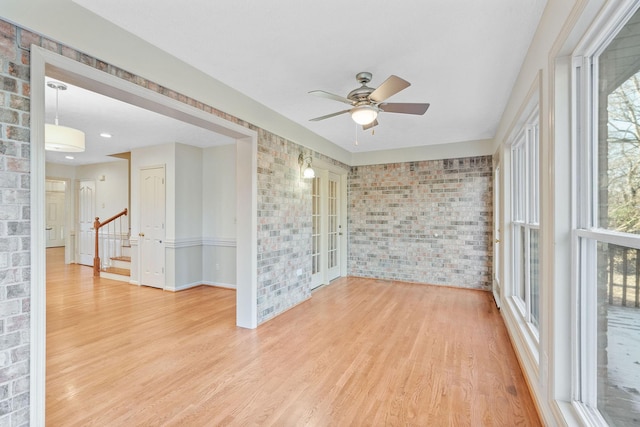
359,352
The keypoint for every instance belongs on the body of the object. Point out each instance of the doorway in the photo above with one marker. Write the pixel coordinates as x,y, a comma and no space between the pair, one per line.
55,213
327,229
47,63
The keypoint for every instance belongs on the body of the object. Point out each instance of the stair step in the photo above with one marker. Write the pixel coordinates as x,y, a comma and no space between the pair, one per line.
121,258
118,270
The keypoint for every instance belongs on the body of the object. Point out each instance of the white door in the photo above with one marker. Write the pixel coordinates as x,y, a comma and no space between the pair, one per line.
55,216
497,237
152,227
86,216
334,228
316,233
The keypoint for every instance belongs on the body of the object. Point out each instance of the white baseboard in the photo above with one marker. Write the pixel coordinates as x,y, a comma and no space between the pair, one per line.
220,285
201,283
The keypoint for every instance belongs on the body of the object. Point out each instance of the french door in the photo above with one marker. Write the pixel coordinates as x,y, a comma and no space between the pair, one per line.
326,230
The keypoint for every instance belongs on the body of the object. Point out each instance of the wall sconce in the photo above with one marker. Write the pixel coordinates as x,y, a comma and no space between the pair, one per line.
306,172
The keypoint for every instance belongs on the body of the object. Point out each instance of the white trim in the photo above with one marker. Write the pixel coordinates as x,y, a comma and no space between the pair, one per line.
219,285
228,242
182,243
38,320
453,150
183,287
610,236
196,241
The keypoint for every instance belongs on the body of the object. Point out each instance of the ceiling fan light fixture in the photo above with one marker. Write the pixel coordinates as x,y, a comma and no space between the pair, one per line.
364,114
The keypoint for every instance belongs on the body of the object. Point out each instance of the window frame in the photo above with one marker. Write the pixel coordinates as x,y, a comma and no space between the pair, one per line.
525,217
586,233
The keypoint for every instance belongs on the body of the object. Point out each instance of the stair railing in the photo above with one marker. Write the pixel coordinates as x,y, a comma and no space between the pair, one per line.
108,241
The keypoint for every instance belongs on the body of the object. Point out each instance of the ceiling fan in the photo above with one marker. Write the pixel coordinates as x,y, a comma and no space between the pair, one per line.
367,102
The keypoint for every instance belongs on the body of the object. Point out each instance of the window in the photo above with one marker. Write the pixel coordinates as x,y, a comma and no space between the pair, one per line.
525,215
607,200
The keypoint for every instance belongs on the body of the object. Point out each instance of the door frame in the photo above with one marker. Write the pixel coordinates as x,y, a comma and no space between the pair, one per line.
47,63
498,238
323,169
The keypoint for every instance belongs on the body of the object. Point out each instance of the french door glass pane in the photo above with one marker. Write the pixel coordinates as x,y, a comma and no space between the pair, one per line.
618,336
315,223
333,224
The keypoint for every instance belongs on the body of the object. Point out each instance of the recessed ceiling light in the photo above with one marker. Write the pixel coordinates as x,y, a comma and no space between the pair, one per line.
105,135
69,157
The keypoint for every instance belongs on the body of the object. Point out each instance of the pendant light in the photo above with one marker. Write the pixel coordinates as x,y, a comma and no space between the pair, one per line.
62,138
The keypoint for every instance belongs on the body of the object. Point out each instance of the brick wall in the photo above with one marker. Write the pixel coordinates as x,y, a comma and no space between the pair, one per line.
284,227
14,229
426,222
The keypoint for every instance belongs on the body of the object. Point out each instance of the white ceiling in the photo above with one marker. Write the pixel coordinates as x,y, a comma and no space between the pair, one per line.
462,56
130,126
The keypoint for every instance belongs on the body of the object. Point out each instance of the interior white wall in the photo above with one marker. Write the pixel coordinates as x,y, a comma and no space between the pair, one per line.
188,192
201,204
219,193
184,251
112,187
219,216
56,170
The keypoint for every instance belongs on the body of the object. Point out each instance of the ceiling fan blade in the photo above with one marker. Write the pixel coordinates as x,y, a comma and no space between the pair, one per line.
370,125
389,87
323,94
328,116
404,107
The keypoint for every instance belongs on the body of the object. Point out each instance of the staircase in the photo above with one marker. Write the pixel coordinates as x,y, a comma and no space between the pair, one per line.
112,241
120,266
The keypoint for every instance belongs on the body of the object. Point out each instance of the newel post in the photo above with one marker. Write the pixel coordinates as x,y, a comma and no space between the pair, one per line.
96,256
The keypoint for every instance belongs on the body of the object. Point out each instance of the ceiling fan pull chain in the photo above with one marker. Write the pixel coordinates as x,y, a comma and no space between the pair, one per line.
356,135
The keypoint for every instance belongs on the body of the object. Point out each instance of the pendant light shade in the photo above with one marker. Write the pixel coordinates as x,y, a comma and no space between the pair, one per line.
364,114
62,138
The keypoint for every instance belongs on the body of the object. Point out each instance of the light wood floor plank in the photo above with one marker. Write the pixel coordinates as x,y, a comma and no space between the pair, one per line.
359,352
